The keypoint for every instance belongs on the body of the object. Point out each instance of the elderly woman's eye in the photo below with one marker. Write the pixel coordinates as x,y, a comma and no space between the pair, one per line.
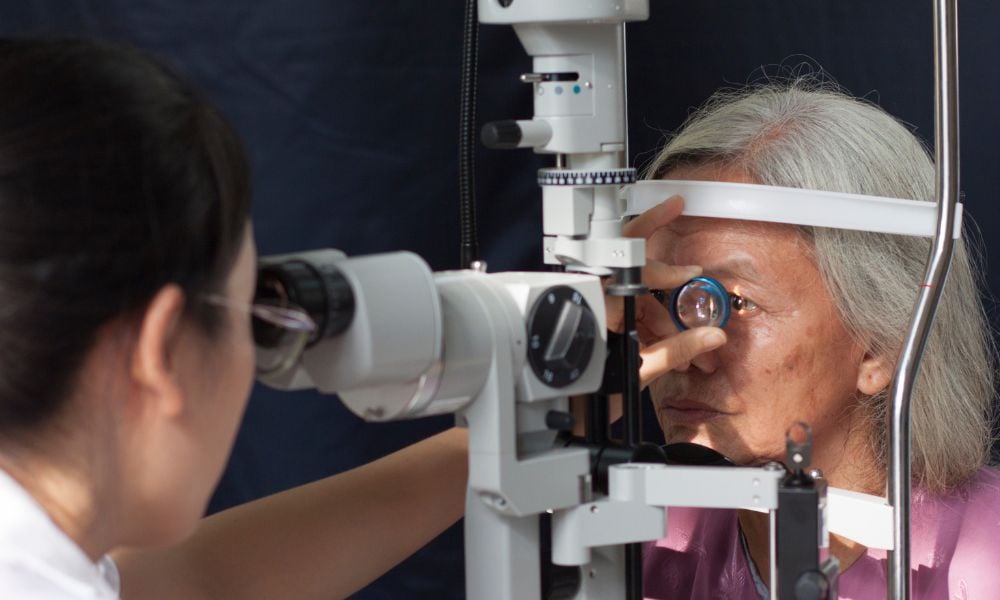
742,304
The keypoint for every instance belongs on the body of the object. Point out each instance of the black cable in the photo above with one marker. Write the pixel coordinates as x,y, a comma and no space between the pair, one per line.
467,138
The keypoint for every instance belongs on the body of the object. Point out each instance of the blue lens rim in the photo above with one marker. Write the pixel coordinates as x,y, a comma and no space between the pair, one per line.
714,287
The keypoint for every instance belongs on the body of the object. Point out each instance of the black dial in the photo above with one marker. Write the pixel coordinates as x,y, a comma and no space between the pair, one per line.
561,334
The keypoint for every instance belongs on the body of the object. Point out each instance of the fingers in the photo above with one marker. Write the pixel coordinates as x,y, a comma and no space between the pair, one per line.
651,318
614,310
657,276
678,351
648,222
661,276
653,321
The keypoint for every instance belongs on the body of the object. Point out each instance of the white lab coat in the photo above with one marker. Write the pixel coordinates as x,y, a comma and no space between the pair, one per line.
40,562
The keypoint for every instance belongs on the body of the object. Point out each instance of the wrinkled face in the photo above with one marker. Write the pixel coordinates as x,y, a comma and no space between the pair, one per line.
788,359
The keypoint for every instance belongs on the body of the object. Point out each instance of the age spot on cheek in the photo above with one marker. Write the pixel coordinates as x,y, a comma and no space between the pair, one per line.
792,360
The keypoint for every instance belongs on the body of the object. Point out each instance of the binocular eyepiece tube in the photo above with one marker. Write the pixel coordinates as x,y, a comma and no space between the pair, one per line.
319,289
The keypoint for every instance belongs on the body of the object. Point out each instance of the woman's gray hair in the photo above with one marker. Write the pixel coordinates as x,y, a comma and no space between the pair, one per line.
809,135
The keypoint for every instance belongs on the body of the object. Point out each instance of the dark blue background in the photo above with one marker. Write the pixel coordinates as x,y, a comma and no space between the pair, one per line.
348,110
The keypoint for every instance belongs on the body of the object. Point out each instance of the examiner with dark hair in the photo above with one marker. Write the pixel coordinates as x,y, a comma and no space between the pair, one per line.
127,270
124,206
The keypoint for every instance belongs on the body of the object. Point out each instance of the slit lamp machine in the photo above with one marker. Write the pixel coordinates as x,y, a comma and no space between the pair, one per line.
546,518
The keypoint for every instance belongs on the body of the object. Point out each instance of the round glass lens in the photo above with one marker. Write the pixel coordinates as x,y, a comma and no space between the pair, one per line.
701,302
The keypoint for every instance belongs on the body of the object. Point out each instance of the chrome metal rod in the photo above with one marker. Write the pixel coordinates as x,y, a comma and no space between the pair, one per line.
772,555
631,398
632,411
625,158
947,191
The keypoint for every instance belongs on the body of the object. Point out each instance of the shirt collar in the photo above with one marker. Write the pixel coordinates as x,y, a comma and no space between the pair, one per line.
30,537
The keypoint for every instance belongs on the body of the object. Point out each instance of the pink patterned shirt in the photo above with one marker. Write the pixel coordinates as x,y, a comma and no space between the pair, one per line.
955,552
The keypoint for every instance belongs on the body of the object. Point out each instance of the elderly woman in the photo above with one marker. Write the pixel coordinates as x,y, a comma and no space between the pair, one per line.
822,322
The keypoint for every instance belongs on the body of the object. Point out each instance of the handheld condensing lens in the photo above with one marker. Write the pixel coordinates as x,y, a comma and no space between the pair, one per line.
702,302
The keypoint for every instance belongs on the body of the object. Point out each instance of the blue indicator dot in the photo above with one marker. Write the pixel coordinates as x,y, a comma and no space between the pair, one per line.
576,89
559,90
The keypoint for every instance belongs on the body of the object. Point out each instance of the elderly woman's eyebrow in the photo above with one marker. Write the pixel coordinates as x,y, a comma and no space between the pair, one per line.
740,267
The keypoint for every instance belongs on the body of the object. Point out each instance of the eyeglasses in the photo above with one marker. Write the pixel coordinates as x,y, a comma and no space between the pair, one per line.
281,331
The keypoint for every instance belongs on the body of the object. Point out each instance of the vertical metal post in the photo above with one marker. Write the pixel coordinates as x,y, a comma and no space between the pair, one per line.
947,191
631,398
597,420
631,409
772,554
631,401
625,158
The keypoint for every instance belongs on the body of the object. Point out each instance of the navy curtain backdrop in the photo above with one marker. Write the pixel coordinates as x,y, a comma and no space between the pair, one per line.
348,111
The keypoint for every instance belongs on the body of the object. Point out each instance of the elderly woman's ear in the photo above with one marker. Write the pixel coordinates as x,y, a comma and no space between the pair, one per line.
874,374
